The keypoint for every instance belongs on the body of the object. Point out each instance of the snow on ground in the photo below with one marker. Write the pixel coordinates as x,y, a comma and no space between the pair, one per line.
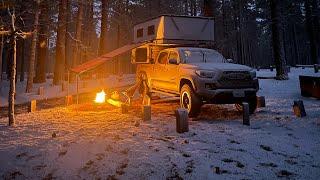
52,91
97,141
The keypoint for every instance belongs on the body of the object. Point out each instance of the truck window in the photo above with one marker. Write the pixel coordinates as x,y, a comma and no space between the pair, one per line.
163,57
173,55
141,55
140,33
151,30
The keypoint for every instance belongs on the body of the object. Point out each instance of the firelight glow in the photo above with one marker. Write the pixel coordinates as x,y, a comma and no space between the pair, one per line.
100,97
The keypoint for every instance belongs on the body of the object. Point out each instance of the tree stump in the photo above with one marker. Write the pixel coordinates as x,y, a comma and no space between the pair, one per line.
124,109
298,109
146,113
316,68
32,106
246,114
41,91
261,102
69,100
182,120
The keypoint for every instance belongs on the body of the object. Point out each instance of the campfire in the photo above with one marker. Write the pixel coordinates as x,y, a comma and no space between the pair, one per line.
100,97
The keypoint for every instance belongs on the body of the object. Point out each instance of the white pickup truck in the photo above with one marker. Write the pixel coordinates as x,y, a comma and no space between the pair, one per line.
200,76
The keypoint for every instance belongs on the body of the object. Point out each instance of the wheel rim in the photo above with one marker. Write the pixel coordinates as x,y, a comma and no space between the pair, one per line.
186,101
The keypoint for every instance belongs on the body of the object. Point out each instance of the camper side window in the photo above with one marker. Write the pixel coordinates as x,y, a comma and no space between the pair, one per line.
141,55
140,33
151,30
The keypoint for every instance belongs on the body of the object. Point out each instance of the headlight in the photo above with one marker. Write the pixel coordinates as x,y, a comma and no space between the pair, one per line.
205,74
253,74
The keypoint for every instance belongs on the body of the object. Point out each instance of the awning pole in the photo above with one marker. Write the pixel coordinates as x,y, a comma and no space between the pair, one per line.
77,77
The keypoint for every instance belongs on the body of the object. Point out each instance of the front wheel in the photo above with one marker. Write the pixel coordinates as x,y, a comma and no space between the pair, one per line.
190,101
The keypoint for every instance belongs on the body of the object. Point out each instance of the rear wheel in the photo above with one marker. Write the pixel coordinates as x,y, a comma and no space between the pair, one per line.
190,101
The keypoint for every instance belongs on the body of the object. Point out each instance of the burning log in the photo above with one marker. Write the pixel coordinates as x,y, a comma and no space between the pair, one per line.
100,97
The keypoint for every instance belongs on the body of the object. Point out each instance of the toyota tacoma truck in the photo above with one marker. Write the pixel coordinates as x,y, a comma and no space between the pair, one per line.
200,76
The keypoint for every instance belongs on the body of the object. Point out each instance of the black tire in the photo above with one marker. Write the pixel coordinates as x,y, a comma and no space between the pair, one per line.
252,105
190,101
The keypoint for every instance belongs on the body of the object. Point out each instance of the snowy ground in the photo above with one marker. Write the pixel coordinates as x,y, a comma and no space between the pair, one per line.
88,141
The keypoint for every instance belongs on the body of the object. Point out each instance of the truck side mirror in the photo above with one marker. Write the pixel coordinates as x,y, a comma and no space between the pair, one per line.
173,61
230,61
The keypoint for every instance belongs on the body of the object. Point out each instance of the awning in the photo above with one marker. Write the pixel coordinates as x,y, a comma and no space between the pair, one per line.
92,64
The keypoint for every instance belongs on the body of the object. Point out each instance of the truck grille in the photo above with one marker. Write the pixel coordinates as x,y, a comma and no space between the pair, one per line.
236,79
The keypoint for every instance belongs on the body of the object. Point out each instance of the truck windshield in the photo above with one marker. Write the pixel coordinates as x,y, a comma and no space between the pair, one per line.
202,56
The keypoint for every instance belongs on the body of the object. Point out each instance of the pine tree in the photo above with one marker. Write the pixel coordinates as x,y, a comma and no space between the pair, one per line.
277,40
33,49
59,67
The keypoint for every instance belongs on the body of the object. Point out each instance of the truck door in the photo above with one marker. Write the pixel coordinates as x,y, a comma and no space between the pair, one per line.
172,72
158,81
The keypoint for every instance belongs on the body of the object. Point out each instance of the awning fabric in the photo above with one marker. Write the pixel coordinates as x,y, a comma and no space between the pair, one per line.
89,65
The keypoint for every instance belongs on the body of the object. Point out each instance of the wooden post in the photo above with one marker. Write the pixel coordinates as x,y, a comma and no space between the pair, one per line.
261,102
316,68
298,109
68,100
182,120
146,113
246,114
41,91
124,109
32,107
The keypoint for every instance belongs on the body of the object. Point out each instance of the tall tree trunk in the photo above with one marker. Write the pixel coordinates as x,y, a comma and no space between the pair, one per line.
311,22
1,52
43,44
33,49
104,27
22,60
77,44
208,8
13,63
69,29
59,67
277,41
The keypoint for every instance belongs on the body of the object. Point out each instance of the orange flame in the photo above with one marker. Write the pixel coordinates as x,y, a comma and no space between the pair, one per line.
100,97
